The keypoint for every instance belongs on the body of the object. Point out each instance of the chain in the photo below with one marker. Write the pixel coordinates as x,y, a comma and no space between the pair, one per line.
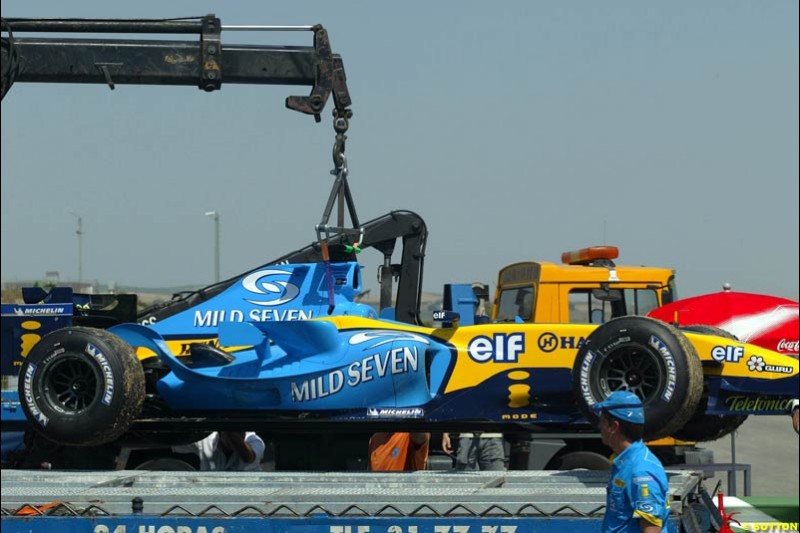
9,75
341,122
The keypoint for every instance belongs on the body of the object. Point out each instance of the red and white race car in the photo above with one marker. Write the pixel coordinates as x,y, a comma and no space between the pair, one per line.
767,321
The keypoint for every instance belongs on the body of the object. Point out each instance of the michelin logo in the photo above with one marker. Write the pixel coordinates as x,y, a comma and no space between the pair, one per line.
27,388
395,412
108,374
669,361
39,310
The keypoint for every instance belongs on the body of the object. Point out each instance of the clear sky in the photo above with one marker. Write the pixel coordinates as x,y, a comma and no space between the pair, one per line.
517,130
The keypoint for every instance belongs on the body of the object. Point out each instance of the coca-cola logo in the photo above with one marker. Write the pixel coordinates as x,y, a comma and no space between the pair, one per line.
788,346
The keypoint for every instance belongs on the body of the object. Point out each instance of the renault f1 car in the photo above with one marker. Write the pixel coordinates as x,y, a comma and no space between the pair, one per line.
241,358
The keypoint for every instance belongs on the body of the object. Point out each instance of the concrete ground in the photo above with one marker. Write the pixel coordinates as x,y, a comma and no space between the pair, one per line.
771,447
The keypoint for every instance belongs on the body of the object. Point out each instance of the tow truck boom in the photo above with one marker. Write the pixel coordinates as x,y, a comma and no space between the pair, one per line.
206,63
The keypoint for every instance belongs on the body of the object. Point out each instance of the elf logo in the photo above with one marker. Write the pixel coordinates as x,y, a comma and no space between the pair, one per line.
500,348
727,354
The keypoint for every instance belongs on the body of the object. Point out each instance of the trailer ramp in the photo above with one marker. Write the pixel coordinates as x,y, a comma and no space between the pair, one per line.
296,502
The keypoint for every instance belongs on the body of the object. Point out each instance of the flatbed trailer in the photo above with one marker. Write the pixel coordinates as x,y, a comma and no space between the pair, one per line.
275,502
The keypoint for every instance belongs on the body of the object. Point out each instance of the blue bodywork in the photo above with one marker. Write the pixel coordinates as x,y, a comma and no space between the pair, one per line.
351,366
12,441
278,293
306,366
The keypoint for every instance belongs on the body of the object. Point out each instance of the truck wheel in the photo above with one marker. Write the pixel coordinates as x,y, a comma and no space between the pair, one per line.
170,464
81,386
579,460
166,439
704,427
648,357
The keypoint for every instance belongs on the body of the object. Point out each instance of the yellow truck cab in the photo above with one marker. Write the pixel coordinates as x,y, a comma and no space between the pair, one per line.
586,288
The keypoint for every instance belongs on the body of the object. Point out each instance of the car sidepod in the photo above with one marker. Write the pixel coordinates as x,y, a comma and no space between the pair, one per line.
310,366
508,373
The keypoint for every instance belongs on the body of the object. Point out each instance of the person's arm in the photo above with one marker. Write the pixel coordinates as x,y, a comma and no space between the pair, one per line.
417,455
447,446
420,438
235,440
647,527
796,415
257,445
649,500
193,447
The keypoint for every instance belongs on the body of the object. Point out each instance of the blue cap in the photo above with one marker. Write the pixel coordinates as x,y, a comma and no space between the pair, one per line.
622,405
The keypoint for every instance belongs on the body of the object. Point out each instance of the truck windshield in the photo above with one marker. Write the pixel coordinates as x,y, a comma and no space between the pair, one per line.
640,301
586,308
514,303
671,294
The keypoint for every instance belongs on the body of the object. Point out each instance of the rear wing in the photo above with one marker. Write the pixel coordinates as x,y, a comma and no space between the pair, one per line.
23,325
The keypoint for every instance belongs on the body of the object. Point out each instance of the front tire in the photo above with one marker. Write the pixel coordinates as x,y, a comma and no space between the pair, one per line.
81,386
645,356
580,460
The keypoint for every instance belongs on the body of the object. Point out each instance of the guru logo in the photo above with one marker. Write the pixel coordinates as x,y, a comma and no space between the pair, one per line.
272,286
756,363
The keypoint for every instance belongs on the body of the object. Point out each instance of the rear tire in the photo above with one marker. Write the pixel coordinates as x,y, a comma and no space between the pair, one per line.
582,460
703,427
645,356
81,386
168,464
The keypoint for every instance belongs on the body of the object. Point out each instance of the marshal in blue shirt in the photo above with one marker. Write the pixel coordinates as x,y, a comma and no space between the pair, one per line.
637,489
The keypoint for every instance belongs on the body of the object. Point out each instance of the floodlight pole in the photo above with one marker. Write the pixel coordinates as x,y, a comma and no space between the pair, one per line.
215,217
79,233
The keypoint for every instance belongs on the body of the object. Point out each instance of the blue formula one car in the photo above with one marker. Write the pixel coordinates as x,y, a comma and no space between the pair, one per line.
238,360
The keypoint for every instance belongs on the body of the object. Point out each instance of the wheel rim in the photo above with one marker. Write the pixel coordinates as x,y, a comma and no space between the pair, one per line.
72,384
632,369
